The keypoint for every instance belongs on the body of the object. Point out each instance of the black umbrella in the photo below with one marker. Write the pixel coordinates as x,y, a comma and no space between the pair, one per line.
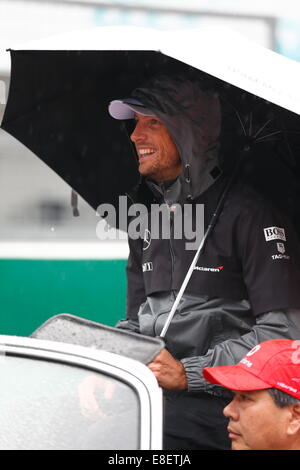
58,99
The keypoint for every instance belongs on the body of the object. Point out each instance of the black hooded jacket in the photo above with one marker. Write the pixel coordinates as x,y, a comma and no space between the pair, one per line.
245,286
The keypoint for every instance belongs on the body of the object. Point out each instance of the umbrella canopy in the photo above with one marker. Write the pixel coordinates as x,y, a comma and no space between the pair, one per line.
61,87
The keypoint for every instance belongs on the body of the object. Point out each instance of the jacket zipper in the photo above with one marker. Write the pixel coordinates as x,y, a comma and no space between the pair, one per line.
172,256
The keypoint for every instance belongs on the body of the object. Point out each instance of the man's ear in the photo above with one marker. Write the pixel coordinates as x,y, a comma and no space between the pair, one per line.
294,424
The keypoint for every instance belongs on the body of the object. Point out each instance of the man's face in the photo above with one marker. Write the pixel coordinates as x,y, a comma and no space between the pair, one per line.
256,423
157,153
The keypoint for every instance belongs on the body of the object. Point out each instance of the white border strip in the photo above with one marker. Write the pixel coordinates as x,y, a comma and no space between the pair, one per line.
64,250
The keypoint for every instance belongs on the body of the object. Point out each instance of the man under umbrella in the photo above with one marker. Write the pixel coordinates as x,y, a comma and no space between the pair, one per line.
245,286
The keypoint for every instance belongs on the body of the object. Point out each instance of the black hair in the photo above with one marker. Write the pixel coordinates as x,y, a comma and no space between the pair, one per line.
281,398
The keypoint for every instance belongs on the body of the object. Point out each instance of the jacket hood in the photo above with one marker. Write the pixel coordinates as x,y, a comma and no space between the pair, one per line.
192,115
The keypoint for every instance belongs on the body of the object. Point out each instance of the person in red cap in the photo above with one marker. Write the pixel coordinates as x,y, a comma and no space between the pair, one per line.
264,413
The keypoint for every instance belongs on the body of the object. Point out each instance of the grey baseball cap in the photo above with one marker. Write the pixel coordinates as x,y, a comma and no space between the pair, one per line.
126,108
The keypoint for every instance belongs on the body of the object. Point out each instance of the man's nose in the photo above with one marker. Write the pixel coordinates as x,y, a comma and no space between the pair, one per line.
138,133
230,411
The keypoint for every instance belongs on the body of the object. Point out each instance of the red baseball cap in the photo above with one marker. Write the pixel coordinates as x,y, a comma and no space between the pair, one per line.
271,364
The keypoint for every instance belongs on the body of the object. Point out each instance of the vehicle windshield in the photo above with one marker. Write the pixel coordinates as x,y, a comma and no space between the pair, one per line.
50,405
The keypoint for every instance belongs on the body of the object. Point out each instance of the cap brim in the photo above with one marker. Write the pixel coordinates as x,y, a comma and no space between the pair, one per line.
234,378
122,109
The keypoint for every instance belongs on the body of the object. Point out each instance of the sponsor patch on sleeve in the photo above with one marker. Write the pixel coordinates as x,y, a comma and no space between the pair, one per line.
274,233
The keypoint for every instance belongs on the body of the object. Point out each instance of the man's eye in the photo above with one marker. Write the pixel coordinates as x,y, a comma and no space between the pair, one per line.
154,121
245,397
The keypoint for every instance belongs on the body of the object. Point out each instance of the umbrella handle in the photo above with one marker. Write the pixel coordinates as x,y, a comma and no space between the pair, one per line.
74,203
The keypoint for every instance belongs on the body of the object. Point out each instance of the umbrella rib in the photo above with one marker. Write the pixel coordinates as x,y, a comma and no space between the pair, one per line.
241,122
250,123
262,128
268,135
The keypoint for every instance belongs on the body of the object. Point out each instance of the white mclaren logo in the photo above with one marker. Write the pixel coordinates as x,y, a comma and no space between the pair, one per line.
211,270
287,387
274,233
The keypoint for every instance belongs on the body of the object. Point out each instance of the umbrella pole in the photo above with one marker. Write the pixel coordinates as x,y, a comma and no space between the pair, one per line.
209,230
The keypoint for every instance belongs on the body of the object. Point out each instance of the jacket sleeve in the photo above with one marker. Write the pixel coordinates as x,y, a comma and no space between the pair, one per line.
135,287
275,324
268,249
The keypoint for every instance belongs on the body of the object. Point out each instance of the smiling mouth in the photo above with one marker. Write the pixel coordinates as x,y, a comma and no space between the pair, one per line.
144,153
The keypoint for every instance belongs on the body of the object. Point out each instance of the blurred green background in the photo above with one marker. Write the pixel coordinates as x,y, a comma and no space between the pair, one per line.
31,291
